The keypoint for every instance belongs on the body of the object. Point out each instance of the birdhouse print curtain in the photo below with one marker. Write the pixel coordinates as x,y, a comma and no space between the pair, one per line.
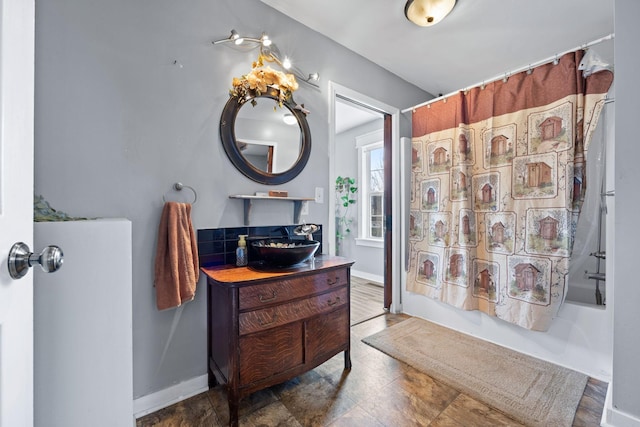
498,177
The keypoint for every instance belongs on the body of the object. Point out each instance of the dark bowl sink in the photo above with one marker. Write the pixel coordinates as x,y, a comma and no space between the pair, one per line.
284,252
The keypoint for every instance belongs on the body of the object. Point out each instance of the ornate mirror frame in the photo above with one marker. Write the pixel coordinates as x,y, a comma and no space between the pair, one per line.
228,136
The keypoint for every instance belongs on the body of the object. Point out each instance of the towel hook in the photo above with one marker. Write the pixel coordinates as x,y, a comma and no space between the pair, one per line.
178,186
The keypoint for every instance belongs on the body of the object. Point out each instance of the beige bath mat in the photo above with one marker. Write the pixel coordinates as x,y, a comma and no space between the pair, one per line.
532,391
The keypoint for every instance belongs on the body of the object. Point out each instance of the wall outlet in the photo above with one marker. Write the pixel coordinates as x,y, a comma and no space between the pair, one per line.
304,209
319,195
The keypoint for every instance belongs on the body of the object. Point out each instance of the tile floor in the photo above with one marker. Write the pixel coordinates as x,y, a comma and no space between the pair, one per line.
378,391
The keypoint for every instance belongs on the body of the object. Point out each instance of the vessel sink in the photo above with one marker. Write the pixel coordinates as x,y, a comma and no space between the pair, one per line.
284,252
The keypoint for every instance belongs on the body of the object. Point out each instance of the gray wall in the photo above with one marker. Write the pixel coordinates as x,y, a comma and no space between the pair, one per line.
626,349
369,260
117,123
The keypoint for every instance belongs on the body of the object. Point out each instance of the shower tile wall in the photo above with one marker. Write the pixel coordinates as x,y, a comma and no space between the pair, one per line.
217,246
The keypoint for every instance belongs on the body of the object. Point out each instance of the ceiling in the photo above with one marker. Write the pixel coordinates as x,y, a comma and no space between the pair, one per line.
479,41
350,115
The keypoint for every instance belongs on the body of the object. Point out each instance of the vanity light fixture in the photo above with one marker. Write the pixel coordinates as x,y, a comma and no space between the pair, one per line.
238,40
427,12
269,50
266,41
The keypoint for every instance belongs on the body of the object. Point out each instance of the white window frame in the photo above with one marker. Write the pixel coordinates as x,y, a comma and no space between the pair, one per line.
364,143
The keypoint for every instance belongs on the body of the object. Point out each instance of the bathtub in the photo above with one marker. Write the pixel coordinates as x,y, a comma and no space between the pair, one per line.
581,335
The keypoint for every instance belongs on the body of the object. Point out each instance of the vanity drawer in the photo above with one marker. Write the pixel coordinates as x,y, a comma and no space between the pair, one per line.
262,319
256,296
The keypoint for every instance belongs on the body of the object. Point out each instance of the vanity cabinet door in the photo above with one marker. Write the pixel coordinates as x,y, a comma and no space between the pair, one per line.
268,353
327,334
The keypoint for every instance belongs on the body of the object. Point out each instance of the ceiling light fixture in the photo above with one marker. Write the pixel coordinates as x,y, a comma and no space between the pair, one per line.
427,12
289,119
270,53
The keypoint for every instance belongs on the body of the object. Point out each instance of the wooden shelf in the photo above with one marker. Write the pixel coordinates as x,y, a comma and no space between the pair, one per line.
297,204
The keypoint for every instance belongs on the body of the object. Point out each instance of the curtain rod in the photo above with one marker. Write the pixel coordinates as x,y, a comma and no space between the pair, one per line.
517,70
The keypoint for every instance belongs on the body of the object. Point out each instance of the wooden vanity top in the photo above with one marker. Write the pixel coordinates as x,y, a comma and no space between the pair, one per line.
233,275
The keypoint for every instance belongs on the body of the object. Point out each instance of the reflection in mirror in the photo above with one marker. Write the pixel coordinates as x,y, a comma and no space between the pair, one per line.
263,138
257,140
258,154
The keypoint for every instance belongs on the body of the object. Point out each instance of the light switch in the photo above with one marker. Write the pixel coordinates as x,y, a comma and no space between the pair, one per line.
319,195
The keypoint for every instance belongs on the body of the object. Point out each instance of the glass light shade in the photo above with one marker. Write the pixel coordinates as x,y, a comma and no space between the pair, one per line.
427,12
289,119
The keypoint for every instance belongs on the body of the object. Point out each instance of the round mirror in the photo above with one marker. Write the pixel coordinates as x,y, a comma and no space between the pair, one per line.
267,143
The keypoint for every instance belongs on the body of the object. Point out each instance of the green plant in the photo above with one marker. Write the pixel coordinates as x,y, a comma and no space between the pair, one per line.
345,195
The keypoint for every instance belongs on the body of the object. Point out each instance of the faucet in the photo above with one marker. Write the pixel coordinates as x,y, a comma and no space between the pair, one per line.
285,232
306,230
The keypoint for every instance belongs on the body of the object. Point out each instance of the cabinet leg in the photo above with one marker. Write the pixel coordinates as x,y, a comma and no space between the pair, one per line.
347,359
233,412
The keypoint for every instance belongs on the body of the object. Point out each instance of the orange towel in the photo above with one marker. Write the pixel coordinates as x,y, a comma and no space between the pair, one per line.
176,267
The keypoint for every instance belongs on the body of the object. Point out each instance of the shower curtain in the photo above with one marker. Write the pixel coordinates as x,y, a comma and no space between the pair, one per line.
497,186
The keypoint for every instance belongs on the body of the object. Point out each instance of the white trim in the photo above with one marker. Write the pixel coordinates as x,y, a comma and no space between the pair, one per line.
267,143
166,397
366,144
367,276
372,243
616,418
396,264
604,419
612,417
370,138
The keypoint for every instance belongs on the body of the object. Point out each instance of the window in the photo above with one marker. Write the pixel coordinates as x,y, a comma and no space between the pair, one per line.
375,184
371,177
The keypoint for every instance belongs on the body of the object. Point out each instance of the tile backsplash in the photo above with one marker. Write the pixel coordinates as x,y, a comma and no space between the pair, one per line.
217,246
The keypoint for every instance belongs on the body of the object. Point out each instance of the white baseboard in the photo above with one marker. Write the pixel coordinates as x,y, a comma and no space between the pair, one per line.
611,417
367,276
161,399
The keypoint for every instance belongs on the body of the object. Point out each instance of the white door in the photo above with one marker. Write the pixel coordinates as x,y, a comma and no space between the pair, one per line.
16,208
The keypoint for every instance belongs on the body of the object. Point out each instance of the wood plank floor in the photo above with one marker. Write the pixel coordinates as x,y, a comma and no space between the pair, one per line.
367,300
377,391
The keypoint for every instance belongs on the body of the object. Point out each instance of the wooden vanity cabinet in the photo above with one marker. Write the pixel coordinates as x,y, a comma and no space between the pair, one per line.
265,327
